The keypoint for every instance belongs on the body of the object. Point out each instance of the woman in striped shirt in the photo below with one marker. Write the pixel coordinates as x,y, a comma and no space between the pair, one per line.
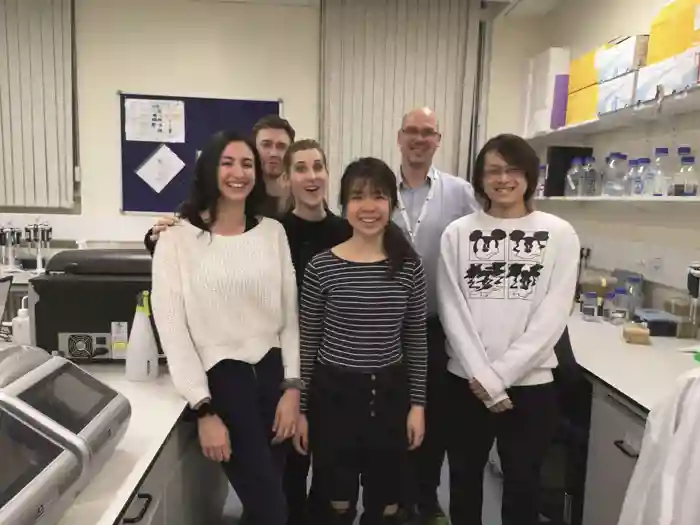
363,311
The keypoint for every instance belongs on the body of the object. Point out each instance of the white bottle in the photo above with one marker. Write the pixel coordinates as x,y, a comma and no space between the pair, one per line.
142,350
573,178
21,330
659,174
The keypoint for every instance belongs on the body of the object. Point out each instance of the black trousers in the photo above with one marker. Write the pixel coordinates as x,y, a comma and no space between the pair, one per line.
425,463
523,436
302,509
357,428
245,397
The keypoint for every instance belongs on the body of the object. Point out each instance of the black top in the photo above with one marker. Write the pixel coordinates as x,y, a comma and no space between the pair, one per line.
307,238
359,318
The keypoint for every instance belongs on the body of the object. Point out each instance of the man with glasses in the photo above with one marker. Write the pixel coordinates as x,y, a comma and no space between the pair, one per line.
429,200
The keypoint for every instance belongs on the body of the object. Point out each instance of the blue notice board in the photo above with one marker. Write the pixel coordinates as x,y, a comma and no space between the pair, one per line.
140,148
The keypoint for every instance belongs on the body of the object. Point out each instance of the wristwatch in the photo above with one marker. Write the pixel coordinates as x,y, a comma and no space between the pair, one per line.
297,383
205,409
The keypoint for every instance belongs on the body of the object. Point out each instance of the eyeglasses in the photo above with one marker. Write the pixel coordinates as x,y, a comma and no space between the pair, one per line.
424,133
511,171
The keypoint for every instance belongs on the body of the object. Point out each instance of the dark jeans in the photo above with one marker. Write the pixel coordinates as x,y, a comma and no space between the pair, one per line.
245,397
425,463
357,428
302,510
523,436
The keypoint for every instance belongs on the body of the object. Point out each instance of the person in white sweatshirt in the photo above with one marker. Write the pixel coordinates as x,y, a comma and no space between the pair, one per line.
225,305
506,281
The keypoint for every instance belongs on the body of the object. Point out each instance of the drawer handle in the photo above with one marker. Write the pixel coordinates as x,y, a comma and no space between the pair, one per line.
147,500
626,449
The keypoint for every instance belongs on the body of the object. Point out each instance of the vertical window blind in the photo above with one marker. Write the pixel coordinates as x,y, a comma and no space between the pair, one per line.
381,58
36,104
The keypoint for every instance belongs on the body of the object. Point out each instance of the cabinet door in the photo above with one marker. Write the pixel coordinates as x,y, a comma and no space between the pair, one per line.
615,439
197,491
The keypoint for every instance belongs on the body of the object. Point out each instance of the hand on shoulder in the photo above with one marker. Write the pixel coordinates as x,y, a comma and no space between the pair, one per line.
161,225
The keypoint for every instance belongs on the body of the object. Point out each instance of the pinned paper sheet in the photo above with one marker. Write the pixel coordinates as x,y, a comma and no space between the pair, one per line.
154,120
160,168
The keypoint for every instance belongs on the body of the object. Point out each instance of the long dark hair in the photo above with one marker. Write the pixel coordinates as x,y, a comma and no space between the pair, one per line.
375,173
204,192
515,151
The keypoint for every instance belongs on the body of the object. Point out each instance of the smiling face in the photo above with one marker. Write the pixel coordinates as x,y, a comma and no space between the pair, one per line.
272,144
308,178
368,209
419,138
236,172
504,185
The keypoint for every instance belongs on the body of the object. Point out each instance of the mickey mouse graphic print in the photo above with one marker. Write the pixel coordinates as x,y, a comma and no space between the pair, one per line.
505,265
505,291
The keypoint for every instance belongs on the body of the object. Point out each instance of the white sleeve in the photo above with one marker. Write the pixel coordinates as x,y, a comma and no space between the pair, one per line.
549,319
457,320
289,336
168,303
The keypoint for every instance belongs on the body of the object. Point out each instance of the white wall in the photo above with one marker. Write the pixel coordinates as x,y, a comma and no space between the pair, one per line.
185,48
620,234
514,41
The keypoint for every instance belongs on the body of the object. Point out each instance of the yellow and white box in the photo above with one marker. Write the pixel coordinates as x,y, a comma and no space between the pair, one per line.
675,29
582,105
617,94
609,61
657,79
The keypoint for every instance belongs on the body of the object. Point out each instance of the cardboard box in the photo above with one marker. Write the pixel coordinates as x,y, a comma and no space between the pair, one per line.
582,105
674,30
687,70
609,61
657,80
616,94
669,76
547,73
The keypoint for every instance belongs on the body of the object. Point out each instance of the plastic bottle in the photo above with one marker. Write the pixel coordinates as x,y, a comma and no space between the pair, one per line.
631,177
635,295
589,306
614,175
21,329
541,181
591,185
573,179
642,177
609,306
621,313
685,183
659,174
142,350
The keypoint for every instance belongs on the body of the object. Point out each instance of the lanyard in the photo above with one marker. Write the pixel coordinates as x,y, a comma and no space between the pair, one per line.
412,232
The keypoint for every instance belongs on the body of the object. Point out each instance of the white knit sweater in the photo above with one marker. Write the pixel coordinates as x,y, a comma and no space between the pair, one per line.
223,297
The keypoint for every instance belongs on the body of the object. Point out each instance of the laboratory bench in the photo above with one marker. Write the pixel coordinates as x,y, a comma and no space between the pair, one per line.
158,464
627,381
157,475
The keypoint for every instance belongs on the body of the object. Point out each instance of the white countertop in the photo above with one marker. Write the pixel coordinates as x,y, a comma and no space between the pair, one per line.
155,409
19,277
644,374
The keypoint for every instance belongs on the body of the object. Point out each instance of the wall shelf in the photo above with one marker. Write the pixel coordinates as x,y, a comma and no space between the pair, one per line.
606,198
662,110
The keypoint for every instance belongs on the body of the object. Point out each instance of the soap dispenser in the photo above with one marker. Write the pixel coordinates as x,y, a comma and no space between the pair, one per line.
21,330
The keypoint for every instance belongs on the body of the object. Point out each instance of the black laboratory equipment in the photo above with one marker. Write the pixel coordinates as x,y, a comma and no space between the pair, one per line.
84,304
559,160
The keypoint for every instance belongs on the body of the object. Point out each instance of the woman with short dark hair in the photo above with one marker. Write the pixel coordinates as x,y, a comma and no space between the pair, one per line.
225,305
